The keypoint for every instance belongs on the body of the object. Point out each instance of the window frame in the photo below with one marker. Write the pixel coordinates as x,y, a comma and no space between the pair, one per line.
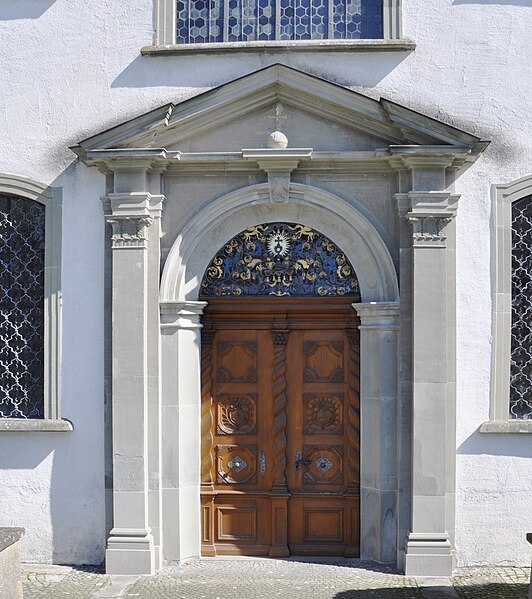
504,197
51,198
166,22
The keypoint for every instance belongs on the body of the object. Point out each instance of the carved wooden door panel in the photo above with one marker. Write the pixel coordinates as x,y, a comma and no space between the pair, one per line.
323,447
237,442
280,428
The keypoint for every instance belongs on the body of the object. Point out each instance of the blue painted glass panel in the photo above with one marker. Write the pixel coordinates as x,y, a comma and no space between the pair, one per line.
280,259
202,21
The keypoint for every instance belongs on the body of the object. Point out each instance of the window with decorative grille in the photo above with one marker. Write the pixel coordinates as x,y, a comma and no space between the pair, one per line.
206,21
22,274
521,332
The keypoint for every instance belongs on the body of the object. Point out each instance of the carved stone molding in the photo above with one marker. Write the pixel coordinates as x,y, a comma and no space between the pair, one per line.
429,228
279,184
129,232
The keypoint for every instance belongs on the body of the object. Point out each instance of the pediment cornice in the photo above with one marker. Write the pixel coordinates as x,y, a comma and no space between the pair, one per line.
404,133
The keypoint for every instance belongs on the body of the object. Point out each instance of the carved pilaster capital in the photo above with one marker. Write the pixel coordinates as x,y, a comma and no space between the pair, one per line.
428,213
429,228
129,232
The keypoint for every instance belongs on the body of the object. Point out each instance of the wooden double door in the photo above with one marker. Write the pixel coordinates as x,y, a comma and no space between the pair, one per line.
280,428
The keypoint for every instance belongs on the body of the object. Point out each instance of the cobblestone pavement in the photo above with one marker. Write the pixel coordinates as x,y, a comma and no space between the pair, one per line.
268,579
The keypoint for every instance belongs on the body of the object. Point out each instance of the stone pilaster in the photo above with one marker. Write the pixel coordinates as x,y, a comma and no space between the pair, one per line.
180,428
156,205
430,214
130,548
379,380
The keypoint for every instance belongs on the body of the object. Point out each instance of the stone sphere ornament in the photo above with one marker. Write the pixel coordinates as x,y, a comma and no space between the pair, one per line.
277,141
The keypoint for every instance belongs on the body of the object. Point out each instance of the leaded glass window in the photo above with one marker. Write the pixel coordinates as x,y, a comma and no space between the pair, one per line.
521,352
280,259
22,227
203,21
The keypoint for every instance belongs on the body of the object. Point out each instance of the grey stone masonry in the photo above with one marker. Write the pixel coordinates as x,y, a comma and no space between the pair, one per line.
10,585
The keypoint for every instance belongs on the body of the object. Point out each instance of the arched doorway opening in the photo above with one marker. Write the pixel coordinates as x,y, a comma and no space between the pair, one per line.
280,417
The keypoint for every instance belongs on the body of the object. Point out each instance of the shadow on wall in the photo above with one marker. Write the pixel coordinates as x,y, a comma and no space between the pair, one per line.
498,445
205,70
24,9
45,496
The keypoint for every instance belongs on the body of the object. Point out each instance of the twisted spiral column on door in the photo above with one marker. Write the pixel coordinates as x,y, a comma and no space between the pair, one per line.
206,408
353,426
280,339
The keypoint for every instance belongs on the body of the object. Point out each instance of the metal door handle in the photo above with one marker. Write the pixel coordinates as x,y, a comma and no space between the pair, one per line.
262,463
301,460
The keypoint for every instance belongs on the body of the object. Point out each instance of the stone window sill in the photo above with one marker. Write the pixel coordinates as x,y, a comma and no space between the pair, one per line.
46,425
383,45
518,427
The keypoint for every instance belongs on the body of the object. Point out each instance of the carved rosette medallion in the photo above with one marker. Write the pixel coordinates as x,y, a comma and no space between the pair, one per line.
129,231
237,414
323,414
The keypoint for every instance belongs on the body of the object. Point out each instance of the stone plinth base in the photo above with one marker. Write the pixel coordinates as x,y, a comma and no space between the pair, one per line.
10,585
428,555
128,553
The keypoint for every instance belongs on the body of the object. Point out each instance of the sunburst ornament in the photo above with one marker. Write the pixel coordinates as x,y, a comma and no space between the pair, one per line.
278,244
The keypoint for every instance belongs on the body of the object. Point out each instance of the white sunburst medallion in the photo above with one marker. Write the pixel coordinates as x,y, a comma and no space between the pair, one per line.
278,244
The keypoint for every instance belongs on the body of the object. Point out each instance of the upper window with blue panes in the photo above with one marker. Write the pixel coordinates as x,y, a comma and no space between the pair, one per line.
207,21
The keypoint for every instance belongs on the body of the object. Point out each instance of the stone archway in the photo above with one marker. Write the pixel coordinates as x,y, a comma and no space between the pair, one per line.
234,212
280,396
180,351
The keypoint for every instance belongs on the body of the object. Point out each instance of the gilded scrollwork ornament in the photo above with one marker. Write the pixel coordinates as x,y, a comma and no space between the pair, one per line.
280,259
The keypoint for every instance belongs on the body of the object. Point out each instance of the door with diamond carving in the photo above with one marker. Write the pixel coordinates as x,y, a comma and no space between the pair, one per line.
236,441
280,428
323,442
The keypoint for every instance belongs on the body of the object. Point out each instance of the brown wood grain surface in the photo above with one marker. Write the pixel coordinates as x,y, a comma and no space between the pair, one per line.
280,427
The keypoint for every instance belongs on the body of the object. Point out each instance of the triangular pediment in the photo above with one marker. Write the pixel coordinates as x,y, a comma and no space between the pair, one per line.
317,114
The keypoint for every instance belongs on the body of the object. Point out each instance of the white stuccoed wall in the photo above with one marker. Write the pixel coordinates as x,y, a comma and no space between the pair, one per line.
70,69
